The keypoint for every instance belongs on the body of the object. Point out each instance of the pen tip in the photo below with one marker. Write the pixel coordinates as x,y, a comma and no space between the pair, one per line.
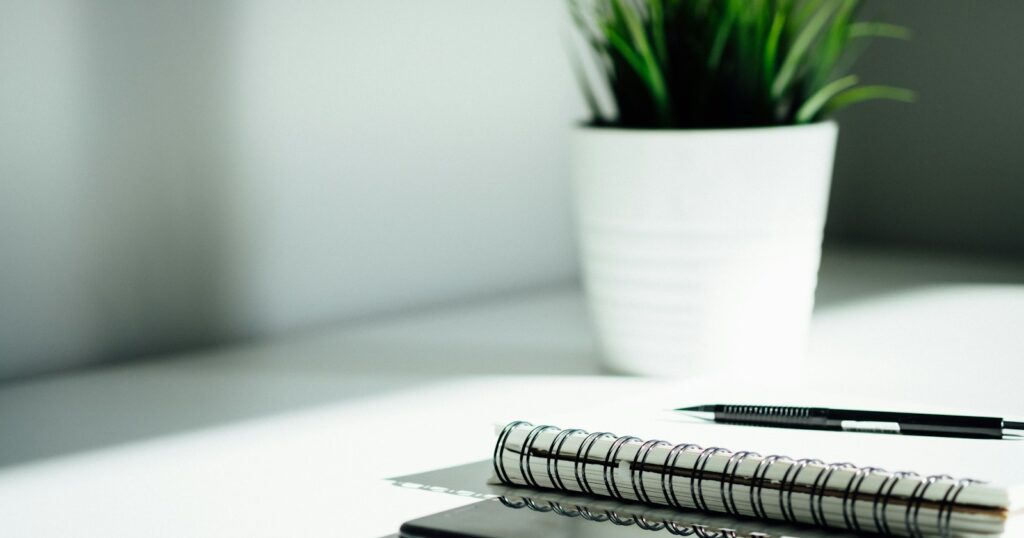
698,408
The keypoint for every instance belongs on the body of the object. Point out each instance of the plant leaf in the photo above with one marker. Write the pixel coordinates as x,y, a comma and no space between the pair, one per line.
721,35
623,47
833,44
658,29
772,46
815,103
654,77
800,47
879,29
585,87
867,93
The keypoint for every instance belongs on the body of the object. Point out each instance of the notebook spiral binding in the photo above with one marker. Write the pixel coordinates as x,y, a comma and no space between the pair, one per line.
625,520
880,498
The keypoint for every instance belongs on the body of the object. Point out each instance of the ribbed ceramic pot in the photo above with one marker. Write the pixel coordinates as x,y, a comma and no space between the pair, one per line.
700,248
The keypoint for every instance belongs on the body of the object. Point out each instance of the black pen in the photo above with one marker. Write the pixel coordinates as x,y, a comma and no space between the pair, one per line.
847,420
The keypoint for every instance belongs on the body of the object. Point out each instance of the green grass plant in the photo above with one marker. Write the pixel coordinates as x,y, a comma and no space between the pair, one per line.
725,63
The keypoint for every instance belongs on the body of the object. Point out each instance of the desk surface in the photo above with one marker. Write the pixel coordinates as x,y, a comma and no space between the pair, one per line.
293,436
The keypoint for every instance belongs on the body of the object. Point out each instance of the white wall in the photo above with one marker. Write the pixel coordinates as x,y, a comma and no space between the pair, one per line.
184,174
45,305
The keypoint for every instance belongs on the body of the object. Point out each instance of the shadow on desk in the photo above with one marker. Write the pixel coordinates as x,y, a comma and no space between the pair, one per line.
878,313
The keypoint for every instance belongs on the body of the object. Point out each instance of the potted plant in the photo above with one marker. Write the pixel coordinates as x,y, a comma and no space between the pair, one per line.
702,176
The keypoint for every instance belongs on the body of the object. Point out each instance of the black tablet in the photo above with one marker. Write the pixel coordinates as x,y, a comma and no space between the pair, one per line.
494,519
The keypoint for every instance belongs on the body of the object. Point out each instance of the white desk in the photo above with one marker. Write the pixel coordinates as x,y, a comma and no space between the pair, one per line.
292,437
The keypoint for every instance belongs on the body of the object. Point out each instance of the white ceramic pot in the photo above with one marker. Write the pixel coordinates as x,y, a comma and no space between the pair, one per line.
700,248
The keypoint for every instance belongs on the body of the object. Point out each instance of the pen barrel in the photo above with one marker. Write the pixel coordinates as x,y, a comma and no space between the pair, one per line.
777,416
950,426
818,418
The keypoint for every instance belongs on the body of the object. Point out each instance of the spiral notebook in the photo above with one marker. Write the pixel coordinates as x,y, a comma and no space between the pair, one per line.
940,487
